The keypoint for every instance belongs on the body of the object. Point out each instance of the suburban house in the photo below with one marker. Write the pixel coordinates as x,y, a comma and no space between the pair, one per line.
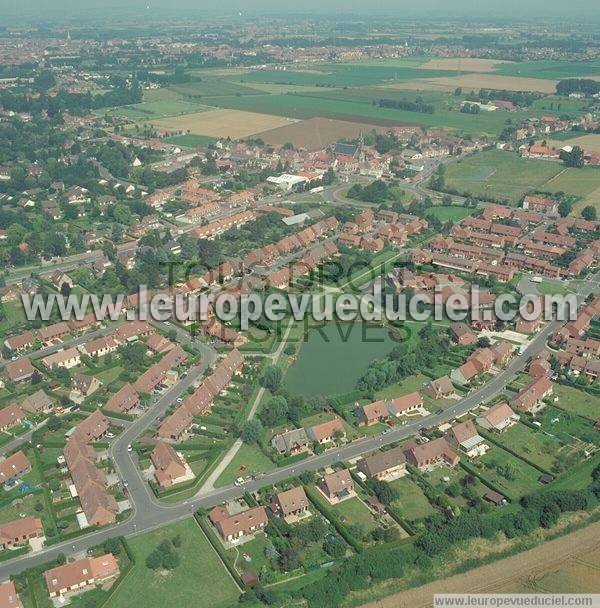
63,358
337,486
383,465
124,400
20,342
291,442
9,597
325,431
14,467
499,417
85,385
440,388
175,426
80,574
19,531
10,416
290,503
406,404
530,398
20,370
465,437
430,454
538,204
169,466
93,428
462,334
465,373
232,527
51,333
37,403
99,347
372,413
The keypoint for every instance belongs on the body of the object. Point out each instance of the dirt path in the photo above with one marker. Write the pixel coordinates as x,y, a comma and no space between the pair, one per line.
497,577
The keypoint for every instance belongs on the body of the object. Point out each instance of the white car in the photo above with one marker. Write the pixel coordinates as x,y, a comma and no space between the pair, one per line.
129,448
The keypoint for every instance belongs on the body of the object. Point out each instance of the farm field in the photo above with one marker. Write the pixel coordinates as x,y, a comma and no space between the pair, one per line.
498,174
191,141
222,123
590,142
200,569
315,133
580,182
463,64
333,358
551,69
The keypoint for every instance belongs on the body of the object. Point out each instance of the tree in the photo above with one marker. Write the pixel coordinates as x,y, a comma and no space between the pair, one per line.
574,158
564,208
276,411
252,431
154,560
271,378
589,213
334,546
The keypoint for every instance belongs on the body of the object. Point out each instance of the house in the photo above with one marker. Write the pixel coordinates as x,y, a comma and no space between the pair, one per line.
85,385
530,398
290,503
20,531
440,388
464,436
291,442
80,574
52,333
462,334
169,466
232,527
11,416
431,454
465,373
158,344
37,403
406,404
124,400
175,426
63,358
337,486
58,278
88,321
14,467
100,346
132,330
20,370
372,413
383,465
325,431
99,507
538,204
499,418
9,597
20,342
93,428
502,352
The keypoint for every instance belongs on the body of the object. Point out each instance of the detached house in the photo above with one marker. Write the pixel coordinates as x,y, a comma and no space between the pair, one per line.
440,388
20,370
431,454
14,467
383,465
80,574
499,418
20,531
233,527
465,436
325,432
291,442
337,486
37,403
169,466
290,503
532,395
11,416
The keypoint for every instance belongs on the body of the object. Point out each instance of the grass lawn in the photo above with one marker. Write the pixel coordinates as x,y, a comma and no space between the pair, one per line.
412,503
523,477
249,459
499,174
190,140
445,213
13,317
579,182
550,288
567,426
535,446
21,507
354,511
108,376
577,401
199,580
251,555
408,385
334,357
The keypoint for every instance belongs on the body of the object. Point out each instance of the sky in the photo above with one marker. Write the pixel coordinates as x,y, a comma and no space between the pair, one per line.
432,8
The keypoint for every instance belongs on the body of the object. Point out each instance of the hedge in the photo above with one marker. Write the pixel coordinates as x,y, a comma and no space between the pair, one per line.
333,518
218,547
469,468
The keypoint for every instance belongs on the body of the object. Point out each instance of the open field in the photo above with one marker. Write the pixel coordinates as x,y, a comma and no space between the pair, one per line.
222,123
248,459
191,141
450,213
412,503
577,401
498,174
518,573
480,81
315,133
579,182
463,64
551,69
589,142
200,569
333,358
535,446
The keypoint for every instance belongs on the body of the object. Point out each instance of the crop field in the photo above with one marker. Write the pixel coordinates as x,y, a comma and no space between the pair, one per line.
315,133
222,123
463,64
511,178
212,88
551,69
590,142
334,357
190,140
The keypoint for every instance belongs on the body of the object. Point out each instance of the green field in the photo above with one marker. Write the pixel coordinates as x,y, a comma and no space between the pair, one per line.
411,503
534,446
212,88
354,512
190,140
450,213
567,426
501,175
200,569
577,401
248,457
579,182
333,358
550,69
